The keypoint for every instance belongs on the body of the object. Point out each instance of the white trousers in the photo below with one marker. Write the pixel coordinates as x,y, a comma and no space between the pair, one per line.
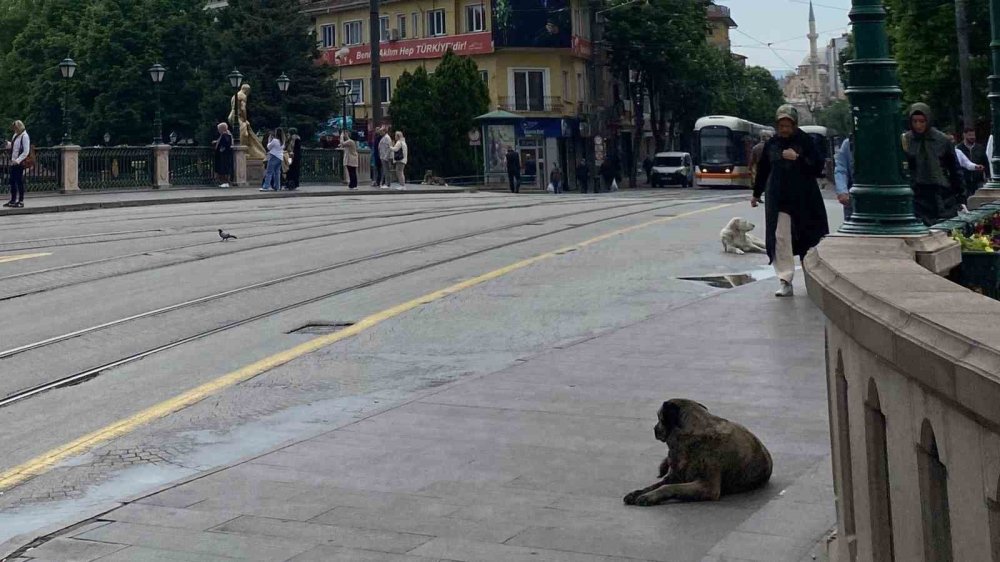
784,257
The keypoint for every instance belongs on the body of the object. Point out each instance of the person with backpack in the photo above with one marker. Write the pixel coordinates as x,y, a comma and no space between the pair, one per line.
20,147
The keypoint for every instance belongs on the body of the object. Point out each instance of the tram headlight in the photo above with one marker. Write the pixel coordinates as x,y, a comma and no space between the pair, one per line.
728,170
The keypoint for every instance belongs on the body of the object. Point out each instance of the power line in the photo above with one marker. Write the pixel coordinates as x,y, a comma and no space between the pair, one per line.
827,6
776,53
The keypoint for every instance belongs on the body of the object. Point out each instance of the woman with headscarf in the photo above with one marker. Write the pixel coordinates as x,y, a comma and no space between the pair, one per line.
796,215
934,174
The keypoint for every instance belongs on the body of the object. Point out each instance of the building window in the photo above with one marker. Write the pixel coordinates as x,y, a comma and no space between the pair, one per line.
401,23
352,33
529,90
485,77
475,18
565,85
357,87
581,87
329,36
416,24
383,28
386,91
435,23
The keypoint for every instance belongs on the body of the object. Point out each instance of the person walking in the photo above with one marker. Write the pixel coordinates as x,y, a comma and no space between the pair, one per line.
843,174
20,148
223,155
755,154
555,179
795,213
400,155
513,161
374,162
647,166
293,146
607,173
583,176
385,157
275,155
351,158
975,153
934,173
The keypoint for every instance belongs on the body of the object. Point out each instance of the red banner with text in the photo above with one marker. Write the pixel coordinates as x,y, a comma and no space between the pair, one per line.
432,48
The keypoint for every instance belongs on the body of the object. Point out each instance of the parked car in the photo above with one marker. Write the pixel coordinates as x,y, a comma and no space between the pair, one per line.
672,168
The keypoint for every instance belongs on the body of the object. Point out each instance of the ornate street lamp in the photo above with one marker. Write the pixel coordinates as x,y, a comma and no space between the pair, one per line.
344,89
67,68
283,83
236,80
355,98
156,74
882,198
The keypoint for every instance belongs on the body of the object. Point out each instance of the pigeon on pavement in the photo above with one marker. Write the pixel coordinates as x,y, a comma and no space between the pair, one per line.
226,236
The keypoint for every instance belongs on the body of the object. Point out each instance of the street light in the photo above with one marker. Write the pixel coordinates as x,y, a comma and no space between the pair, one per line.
156,74
236,80
67,68
283,83
355,98
344,89
881,196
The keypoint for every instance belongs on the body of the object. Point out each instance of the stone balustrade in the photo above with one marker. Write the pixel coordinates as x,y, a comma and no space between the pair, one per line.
913,379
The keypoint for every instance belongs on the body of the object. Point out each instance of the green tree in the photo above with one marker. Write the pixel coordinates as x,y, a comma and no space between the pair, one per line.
413,111
837,116
460,95
924,43
763,95
264,40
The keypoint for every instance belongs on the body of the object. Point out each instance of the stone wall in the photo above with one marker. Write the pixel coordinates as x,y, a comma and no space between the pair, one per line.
913,373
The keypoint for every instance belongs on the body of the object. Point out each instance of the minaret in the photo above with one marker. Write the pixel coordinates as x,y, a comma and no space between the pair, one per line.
814,84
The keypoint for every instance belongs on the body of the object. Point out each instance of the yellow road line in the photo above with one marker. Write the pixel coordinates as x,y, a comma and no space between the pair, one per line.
44,462
16,257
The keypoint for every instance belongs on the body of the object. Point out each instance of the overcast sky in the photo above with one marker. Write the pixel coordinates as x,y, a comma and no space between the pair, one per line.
784,23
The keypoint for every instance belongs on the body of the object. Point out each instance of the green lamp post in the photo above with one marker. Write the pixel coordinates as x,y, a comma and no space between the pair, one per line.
882,198
994,96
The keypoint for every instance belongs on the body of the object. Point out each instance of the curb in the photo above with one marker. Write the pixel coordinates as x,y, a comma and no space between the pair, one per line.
70,207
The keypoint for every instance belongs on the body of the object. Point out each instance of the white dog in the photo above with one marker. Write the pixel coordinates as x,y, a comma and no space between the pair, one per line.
736,238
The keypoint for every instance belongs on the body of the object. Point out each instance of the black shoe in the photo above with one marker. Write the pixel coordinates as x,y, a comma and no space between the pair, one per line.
10,204
19,204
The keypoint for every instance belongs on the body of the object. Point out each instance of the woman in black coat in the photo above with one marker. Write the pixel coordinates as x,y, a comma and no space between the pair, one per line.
294,148
224,155
794,207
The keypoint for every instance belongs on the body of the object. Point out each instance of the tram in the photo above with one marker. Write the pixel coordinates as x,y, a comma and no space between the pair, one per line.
722,150
828,142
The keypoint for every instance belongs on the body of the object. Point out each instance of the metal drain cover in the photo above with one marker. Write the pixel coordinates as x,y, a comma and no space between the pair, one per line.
320,328
722,281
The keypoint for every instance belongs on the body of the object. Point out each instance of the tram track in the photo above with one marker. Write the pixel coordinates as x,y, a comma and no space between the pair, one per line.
432,216
89,373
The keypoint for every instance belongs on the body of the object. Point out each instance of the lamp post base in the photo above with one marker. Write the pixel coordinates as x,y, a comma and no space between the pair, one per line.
985,195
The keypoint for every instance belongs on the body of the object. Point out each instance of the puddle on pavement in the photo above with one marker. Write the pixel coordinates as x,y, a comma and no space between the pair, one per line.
732,280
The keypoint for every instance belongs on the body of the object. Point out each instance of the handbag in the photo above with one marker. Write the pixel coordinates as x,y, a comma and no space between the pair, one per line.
398,155
29,160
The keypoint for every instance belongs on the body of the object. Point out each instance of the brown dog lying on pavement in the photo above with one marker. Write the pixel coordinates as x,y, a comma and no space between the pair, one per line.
707,457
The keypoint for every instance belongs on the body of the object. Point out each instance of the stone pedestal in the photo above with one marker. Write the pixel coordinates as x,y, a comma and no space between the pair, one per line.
983,196
239,165
255,172
69,166
161,165
936,252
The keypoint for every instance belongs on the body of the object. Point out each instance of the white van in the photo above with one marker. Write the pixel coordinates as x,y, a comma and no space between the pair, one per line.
672,168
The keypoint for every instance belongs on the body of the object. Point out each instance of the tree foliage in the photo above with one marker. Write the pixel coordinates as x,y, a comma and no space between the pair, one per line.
437,111
114,42
837,116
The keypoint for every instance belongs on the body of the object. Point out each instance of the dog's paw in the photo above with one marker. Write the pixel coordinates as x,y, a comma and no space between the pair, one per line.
645,500
738,252
631,497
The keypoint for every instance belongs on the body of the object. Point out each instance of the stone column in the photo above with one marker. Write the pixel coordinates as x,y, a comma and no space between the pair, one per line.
883,200
239,165
991,191
161,165
69,168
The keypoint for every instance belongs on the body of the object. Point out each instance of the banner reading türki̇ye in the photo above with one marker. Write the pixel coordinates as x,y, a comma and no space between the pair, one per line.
432,48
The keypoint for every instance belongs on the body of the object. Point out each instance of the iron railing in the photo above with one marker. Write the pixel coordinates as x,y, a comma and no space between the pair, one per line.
531,104
116,168
192,165
44,176
321,165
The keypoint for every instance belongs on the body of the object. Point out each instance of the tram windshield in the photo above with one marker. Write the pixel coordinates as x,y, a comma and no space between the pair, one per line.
720,145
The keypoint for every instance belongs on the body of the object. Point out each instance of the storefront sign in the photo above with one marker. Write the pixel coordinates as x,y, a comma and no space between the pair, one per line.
581,47
433,48
550,128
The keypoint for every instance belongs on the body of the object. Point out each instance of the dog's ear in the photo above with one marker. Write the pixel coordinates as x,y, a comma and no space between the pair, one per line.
670,416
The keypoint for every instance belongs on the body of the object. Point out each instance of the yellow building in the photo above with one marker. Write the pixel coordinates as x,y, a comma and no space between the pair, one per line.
533,58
